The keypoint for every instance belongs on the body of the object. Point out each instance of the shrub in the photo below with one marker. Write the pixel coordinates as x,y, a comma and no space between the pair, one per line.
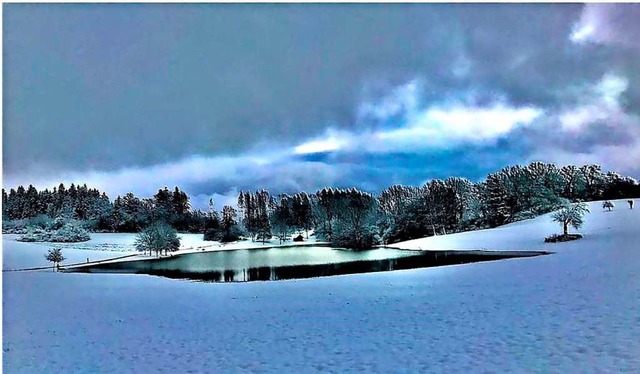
67,233
364,239
217,234
17,226
233,234
555,238
70,232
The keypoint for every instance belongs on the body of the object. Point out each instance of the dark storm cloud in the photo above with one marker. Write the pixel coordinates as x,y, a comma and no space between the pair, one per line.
105,86
219,97
615,26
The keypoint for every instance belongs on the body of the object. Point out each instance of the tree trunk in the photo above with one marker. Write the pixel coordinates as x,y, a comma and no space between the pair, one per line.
565,227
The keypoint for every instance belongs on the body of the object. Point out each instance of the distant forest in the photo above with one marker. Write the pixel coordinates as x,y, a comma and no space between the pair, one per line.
346,217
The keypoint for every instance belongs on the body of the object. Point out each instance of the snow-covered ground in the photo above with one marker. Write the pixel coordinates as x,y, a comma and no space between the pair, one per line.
124,242
599,229
575,311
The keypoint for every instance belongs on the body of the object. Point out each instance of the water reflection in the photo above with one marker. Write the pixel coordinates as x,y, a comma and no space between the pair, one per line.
294,263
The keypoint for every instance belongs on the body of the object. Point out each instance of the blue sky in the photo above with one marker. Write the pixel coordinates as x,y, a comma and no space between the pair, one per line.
218,98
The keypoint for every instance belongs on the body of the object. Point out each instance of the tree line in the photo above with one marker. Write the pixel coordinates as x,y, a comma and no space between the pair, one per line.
127,213
346,217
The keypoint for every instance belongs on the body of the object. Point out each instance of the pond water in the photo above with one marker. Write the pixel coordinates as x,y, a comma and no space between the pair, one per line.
290,263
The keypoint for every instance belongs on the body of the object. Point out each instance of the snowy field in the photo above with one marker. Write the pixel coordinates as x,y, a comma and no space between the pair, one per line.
575,311
124,242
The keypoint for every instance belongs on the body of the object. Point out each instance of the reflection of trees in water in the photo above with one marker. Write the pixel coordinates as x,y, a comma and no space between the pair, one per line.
419,260
229,275
260,274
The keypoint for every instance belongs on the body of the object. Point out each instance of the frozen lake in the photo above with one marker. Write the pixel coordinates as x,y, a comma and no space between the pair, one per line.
575,311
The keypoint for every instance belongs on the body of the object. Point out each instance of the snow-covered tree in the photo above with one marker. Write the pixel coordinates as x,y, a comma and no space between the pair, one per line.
394,200
496,200
56,230
355,219
325,208
302,211
283,220
594,182
256,208
158,237
55,255
228,224
570,215
213,228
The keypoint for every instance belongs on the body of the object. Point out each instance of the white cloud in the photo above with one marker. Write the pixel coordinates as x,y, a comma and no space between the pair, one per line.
607,24
611,87
621,158
597,103
145,181
417,127
332,142
219,176
434,128
442,127
465,124
600,114
581,33
421,126
401,99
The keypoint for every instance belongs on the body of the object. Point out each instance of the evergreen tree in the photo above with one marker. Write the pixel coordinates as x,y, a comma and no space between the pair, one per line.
228,224
495,199
163,205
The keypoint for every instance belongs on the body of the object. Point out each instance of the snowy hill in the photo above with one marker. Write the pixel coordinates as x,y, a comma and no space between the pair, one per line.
601,228
573,311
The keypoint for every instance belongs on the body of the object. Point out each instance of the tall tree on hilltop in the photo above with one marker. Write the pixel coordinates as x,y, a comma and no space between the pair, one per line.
495,199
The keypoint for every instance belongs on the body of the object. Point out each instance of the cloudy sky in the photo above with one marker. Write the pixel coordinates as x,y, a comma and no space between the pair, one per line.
218,98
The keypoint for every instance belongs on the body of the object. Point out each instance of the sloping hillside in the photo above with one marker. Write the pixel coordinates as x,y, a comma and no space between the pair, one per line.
601,228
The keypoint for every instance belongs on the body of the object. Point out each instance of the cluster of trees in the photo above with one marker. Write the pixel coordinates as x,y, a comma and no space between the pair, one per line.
222,227
255,209
158,237
127,213
290,213
263,215
436,207
132,214
77,202
54,230
346,217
